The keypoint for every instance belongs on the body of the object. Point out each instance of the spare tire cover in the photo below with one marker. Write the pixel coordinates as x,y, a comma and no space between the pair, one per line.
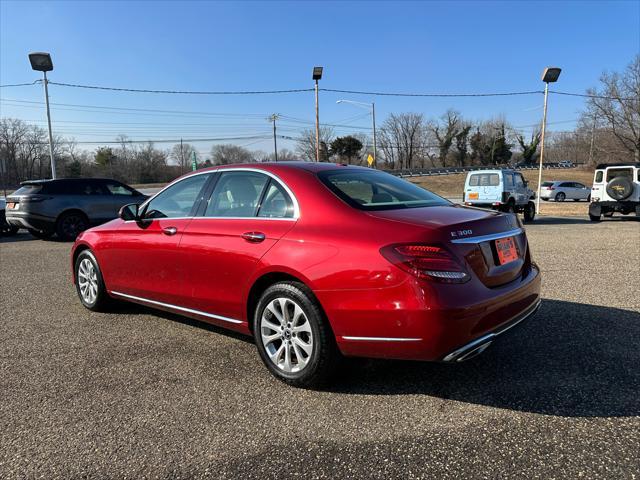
620,188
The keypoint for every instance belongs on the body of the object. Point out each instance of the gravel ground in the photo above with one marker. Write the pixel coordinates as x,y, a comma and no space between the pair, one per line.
142,394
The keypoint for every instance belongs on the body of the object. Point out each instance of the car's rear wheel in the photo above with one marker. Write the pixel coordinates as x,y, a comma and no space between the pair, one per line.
608,214
41,234
293,337
560,196
529,212
89,282
71,224
595,218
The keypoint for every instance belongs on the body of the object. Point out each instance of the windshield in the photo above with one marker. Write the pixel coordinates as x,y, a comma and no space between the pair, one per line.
375,190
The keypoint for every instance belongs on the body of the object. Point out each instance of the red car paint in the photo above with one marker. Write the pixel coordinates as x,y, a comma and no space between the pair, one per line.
375,308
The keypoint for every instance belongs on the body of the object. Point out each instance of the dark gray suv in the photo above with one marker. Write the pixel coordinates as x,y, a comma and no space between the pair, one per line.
68,206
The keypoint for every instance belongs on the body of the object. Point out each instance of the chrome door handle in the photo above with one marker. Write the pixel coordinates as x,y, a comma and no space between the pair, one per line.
254,237
169,230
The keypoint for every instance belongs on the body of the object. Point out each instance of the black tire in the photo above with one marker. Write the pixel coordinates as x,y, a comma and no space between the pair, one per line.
529,212
595,218
620,188
70,225
608,214
511,207
102,300
323,360
41,234
560,196
589,199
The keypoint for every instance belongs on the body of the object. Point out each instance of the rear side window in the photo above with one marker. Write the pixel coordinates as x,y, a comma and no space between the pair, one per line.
276,203
484,180
508,180
547,184
599,174
375,190
28,190
619,172
566,185
237,194
116,188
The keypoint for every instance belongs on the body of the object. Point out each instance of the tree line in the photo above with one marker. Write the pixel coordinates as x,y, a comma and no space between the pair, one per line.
608,131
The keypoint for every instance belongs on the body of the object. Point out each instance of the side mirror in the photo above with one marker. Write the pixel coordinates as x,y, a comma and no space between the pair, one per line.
129,212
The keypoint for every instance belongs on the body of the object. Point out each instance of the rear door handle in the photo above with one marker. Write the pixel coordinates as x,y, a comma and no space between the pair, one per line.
169,230
254,237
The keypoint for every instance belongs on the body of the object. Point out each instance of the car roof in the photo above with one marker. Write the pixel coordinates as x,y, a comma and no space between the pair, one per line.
51,180
288,165
492,170
602,166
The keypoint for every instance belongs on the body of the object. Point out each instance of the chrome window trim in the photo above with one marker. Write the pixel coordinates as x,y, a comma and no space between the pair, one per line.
288,219
175,307
486,238
382,339
296,206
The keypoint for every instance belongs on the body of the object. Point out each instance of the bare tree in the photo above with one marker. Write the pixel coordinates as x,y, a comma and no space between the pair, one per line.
401,139
182,154
445,132
530,148
617,104
306,145
228,153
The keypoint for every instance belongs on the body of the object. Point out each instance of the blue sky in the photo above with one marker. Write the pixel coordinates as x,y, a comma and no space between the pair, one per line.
431,47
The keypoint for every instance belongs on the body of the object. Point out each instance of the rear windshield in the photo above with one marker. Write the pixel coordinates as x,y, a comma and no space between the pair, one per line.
547,184
619,172
375,190
28,190
484,180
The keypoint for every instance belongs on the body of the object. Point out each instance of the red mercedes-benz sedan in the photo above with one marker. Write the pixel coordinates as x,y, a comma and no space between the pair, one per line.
316,261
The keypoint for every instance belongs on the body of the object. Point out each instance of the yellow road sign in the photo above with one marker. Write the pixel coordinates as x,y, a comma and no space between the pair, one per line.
370,160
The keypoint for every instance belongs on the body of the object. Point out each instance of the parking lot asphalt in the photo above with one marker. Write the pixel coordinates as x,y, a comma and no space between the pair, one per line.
143,394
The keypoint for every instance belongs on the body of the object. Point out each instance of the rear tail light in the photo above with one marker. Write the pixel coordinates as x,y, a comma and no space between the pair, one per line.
426,261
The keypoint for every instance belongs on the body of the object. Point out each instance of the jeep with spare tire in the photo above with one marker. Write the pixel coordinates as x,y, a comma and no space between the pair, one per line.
616,188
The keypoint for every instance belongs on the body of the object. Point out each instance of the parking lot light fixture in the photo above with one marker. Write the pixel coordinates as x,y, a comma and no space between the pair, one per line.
550,75
317,75
41,62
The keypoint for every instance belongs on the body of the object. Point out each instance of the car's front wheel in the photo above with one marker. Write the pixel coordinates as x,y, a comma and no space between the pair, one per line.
293,337
89,282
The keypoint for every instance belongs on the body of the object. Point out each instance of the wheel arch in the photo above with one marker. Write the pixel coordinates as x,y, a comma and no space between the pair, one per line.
264,281
71,210
74,257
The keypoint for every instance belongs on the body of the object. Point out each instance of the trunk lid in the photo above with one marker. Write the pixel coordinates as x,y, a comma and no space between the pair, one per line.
471,234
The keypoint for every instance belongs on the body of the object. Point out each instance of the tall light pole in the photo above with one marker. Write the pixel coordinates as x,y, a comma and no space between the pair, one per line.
317,75
41,62
372,105
273,119
550,75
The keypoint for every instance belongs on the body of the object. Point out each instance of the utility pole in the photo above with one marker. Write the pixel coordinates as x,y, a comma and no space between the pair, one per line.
593,133
41,62
273,119
373,115
317,75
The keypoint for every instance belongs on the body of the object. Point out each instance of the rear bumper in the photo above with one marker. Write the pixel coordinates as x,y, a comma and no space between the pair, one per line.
479,345
30,220
414,322
598,208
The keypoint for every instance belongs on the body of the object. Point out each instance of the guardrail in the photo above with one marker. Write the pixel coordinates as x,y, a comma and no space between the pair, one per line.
428,172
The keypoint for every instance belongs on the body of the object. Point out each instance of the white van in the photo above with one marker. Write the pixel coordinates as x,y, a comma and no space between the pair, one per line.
499,189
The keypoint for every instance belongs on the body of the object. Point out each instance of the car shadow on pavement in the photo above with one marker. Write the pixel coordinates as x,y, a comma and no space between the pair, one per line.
570,359
543,220
21,236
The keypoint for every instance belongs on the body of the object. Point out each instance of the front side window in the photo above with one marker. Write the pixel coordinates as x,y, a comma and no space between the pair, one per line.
177,200
484,180
519,180
237,194
374,190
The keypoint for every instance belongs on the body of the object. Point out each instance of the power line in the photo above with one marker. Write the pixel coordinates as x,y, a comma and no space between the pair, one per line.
20,84
182,92
586,95
404,94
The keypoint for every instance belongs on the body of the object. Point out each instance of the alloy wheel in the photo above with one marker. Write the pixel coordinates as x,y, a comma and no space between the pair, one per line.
286,335
72,225
88,281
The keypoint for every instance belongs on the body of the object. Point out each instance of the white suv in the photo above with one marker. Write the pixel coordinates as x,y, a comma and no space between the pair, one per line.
616,188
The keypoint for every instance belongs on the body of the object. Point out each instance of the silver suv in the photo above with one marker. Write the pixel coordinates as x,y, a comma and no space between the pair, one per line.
68,206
